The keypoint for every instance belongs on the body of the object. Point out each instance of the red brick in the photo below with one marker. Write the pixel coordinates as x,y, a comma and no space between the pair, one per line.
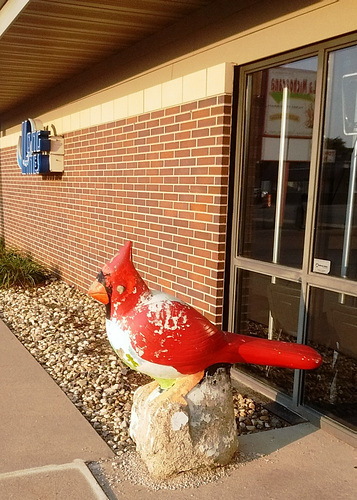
159,179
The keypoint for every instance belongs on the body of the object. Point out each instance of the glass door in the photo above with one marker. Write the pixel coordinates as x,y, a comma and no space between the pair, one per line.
294,240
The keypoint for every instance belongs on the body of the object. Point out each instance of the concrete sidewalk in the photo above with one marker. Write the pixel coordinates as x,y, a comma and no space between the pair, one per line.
294,463
44,440
45,444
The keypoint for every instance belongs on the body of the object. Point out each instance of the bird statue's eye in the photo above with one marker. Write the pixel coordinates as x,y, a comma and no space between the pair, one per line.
120,288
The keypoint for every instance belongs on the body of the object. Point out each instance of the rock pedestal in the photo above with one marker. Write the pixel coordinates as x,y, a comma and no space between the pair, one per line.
171,437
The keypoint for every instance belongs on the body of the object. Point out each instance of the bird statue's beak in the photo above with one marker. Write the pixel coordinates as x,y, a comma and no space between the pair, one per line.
98,292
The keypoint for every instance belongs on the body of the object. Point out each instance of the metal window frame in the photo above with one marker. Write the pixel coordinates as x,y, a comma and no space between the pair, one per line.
305,275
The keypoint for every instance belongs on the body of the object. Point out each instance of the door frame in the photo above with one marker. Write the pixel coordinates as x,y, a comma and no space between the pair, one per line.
305,276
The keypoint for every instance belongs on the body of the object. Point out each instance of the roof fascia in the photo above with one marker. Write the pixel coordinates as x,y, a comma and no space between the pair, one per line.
9,12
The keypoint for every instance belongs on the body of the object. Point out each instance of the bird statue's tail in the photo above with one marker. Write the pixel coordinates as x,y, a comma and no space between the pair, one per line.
253,350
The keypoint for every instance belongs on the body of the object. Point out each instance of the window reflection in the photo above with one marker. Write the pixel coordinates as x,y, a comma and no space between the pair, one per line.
332,330
268,308
277,162
336,235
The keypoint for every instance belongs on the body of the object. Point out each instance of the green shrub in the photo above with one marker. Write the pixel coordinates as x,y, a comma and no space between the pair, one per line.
18,269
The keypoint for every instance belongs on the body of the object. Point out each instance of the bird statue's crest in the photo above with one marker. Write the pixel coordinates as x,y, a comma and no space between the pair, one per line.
118,283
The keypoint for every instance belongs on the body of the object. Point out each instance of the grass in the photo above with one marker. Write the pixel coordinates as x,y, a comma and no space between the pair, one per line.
19,269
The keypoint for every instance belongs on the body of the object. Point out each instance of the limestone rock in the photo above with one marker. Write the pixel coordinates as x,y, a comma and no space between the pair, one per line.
171,437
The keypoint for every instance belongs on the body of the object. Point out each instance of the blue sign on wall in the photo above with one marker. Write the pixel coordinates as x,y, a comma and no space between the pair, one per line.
33,149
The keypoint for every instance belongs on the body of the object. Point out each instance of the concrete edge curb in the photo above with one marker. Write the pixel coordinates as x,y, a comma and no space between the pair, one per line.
77,464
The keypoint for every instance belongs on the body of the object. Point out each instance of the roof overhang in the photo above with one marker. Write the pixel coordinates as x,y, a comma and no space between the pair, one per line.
53,52
44,43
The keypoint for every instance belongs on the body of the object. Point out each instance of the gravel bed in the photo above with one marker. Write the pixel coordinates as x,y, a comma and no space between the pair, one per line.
64,330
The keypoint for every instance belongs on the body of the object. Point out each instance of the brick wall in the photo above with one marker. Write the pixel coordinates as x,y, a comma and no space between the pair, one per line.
159,179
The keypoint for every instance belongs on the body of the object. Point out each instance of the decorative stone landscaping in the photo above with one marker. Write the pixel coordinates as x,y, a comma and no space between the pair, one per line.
64,330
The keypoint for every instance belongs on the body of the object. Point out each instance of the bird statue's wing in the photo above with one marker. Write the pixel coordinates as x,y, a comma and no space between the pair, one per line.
174,334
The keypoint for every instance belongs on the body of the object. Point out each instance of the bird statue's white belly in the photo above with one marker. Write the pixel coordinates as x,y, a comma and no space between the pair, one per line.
119,339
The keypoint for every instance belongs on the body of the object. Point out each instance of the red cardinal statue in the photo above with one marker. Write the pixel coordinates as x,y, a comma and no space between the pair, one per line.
165,338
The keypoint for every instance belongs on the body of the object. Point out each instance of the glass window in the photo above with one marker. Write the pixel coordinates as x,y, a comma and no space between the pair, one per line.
278,157
268,308
332,330
277,162
336,232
